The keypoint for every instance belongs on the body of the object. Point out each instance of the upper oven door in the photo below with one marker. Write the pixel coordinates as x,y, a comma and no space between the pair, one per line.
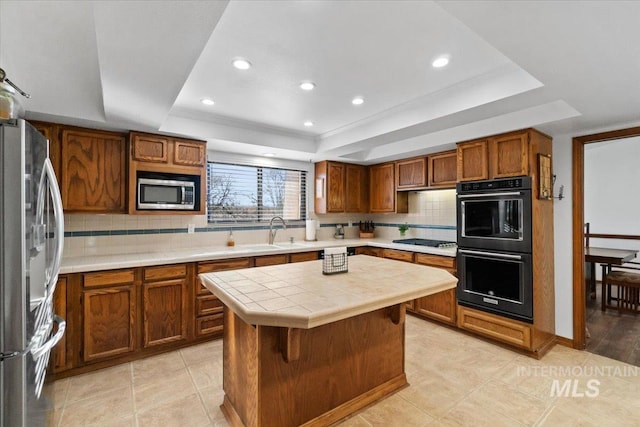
498,220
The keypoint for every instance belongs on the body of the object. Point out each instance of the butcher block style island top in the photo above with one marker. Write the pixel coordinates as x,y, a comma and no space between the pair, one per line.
303,348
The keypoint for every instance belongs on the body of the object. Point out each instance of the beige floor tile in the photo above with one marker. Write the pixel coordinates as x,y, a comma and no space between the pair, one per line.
56,392
114,407
206,374
611,396
435,394
212,398
208,351
164,389
557,417
155,367
395,411
527,376
510,402
102,381
187,411
356,421
470,413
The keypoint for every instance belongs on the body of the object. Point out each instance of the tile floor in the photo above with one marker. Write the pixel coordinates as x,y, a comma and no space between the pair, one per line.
455,380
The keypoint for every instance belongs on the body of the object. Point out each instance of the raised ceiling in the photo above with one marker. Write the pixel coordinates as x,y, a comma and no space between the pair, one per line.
562,67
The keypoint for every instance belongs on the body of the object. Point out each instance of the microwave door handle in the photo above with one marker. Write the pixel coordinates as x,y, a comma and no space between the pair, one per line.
59,218
505,193
490,254
184,197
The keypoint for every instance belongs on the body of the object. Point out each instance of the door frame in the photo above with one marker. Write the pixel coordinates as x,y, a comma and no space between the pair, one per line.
579,293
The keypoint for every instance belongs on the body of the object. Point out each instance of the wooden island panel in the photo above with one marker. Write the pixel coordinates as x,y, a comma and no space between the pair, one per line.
341,367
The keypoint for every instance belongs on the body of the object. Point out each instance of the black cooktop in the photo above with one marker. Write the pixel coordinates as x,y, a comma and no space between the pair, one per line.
426,242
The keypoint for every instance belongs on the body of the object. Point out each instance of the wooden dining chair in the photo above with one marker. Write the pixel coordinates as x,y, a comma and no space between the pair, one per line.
626,278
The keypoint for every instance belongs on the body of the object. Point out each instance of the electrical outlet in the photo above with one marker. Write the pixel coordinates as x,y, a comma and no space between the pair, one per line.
191,228
350,224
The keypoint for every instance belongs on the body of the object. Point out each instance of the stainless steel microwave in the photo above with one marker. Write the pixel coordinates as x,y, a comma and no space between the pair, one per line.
166,194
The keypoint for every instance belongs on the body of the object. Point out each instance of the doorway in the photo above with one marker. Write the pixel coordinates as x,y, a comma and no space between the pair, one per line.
578,235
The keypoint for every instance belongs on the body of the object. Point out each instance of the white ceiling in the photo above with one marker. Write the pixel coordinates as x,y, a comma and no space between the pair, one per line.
561,67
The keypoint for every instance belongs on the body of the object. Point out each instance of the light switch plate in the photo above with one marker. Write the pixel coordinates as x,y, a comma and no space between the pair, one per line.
191,228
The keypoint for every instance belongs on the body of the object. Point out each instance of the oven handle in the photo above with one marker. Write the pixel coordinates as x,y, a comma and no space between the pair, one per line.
491,254
505,193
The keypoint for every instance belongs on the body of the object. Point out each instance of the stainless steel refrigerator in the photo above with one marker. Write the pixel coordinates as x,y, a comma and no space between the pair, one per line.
31,233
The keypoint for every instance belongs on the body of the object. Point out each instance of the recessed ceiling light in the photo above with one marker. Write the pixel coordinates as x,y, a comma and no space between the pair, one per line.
308,123
440,62
307,85
207,101
241,63
358,100
268,154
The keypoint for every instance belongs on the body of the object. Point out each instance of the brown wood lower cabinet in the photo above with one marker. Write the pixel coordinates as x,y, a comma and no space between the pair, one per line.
164,318
108,320
368,250
164,304
59,353
500,328
440,306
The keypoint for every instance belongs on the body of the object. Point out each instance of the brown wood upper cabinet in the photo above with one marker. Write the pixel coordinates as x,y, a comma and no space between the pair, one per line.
92,171
383,197
442,169
166,155
340,187
498,156
411,173
164,149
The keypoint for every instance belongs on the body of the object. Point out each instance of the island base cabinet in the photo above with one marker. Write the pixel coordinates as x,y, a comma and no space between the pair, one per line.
440,306
289,377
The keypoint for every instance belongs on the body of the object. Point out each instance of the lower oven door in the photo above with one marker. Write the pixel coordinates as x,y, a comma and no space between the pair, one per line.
497,282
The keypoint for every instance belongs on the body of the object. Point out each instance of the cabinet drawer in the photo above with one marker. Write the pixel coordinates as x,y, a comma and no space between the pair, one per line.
262,261
202,289
104,278
436,261
208,304
165,272
500,328
304,256
368,250
398,255
209,324
224,264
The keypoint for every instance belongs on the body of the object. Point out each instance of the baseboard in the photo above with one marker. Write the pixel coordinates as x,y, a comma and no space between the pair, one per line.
567,342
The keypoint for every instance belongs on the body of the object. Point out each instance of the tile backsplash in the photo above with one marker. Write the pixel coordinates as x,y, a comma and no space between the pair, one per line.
432,215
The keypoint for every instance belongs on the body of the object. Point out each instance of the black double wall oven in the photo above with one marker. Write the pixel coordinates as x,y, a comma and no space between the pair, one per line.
494,247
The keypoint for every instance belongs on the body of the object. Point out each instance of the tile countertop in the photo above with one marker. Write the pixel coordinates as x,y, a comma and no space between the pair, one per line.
110,262
298,295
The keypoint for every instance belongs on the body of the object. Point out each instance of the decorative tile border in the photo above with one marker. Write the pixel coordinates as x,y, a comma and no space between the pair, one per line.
228,227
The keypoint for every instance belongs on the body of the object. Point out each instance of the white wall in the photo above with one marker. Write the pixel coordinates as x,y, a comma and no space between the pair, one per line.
611,192
563,214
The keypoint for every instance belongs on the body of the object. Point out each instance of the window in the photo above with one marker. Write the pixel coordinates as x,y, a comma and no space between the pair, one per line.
237,193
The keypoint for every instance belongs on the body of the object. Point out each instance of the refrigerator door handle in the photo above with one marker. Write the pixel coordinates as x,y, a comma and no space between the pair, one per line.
41,354
59,218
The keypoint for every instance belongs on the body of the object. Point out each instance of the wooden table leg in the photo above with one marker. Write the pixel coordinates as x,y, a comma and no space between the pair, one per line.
606,288
592,281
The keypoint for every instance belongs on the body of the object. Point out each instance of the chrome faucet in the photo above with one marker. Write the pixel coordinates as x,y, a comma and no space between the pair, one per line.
272,231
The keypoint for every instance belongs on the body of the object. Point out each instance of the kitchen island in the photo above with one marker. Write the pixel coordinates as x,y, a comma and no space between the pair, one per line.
303,348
